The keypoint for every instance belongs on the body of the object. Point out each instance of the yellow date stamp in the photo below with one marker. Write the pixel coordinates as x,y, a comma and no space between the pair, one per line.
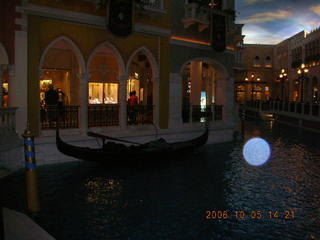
252,214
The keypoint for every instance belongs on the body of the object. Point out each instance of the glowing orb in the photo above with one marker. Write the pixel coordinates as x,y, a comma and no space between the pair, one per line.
256,151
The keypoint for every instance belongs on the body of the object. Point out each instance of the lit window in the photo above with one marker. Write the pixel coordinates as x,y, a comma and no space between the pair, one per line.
103,93
95,93
110,93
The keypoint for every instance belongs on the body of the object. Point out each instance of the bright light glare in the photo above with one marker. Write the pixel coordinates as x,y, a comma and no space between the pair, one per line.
256,151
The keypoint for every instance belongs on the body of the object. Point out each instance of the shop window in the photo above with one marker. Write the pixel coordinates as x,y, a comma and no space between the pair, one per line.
5,90
103,93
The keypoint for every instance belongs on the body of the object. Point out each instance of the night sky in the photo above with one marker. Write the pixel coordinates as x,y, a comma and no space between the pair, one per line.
271,21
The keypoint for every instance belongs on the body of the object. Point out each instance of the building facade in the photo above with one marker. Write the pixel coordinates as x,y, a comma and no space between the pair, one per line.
254,76
292,75
171,54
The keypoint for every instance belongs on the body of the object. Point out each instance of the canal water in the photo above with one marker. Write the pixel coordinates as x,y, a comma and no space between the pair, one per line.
214,194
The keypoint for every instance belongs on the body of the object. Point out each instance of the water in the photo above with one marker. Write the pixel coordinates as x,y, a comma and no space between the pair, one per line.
173,201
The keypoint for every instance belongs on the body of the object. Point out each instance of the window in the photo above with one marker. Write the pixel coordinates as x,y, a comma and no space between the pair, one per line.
267,62
256,62
103,93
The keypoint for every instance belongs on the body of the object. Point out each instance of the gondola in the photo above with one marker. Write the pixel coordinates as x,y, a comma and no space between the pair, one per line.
111,151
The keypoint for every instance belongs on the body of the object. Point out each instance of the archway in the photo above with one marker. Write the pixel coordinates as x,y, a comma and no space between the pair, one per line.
105,68
144,83
204,84
60,65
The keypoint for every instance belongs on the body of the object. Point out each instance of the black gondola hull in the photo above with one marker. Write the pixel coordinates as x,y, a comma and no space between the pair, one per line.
113,153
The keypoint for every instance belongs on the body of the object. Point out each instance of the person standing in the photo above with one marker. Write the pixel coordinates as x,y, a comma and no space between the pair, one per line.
51,101
132,103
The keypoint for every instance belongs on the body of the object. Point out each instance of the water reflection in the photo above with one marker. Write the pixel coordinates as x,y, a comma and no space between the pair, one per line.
169,201
103,191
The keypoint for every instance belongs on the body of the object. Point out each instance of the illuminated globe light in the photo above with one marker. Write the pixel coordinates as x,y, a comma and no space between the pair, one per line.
256,151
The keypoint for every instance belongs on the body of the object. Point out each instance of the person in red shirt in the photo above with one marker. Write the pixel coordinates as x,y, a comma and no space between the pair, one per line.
132,103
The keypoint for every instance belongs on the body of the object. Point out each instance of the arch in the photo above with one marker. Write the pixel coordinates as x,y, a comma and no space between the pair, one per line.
117,54
3,55
152,60
75,48
223,73
155,79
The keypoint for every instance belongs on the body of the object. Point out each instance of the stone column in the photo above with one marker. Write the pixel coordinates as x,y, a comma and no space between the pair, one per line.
10,89
123,101
225,97
84,80
196,82
19,84
175,100
156,100
229,113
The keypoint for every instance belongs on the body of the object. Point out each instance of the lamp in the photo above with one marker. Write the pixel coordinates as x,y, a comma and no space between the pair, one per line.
302,70
282,78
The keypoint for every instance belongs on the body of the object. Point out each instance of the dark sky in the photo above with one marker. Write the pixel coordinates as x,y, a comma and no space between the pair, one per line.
271,21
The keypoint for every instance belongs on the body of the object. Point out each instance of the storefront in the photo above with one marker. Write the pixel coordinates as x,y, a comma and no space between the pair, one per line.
97,74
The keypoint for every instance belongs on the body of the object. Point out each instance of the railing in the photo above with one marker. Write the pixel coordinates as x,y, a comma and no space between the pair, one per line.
67,116
198,113
156,4
194,12
140,114
202,14
300,108
103,116
7,122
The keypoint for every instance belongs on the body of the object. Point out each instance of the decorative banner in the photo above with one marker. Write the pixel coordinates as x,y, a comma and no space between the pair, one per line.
120,17
218,24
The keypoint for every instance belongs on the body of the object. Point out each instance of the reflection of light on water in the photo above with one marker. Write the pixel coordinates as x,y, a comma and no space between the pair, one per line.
256,151
103,191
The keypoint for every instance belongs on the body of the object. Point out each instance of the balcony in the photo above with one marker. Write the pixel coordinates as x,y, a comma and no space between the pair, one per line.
193,14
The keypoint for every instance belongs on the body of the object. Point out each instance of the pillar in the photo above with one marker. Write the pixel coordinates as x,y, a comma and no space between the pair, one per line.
196,82
10,89
123,101
84,80
175,100
19,84
156,99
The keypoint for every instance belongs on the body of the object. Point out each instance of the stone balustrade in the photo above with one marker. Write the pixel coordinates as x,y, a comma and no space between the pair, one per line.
7,122
298,108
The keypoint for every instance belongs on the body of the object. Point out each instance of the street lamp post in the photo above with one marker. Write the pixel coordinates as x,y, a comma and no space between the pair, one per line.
302,71
282,77
252,78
